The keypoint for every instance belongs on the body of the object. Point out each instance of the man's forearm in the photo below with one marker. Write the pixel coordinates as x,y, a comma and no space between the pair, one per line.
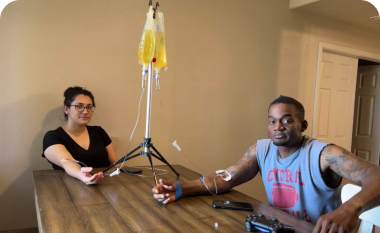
244,170
369,196
196,187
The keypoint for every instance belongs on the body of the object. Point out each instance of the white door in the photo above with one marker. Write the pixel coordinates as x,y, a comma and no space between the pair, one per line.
366,133
334,100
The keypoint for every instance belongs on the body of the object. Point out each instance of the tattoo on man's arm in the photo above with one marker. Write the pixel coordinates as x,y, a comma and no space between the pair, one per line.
353,169
241,168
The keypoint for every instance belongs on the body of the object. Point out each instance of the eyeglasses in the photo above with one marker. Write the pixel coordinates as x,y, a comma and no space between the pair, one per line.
80,108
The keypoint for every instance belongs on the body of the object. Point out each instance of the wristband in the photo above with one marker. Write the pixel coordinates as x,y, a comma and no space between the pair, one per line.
178,191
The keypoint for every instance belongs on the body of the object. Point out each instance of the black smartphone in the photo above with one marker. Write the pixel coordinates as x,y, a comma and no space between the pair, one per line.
130,170
232,205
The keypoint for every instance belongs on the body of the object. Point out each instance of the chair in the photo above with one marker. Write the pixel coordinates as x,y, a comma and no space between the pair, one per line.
370,217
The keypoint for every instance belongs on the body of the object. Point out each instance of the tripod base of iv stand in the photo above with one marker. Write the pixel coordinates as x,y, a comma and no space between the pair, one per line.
147,145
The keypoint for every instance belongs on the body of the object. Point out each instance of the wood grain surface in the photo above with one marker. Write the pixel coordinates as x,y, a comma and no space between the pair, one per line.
124,203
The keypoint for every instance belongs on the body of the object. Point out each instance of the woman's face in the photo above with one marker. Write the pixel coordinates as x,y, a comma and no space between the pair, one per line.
78,112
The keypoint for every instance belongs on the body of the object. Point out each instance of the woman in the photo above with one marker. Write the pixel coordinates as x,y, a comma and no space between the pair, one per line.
75,140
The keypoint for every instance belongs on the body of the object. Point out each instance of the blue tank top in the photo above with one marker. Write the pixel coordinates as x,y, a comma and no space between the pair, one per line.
295,184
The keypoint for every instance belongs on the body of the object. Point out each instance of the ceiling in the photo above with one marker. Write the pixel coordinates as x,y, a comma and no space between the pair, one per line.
354,12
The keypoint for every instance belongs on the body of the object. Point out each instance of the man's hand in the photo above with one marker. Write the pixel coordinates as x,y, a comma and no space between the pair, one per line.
342,220
165,191
87,178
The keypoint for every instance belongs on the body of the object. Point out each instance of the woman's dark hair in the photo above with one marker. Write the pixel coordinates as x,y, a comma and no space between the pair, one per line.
72,92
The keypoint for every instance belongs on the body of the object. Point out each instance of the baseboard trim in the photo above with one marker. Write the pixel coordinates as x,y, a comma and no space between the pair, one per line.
29,230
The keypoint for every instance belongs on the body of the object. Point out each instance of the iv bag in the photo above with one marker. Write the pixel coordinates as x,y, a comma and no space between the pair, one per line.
147,42
160,51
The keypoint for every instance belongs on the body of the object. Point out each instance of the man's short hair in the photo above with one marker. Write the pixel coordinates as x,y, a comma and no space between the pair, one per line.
289,100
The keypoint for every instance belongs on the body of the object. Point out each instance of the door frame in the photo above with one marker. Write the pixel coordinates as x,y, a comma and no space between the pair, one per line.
343,51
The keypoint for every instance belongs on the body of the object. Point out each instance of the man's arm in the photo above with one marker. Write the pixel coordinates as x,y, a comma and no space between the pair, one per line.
358,171
343,163
244,170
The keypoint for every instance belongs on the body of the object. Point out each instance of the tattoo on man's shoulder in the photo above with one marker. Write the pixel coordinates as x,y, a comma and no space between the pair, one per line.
250,152
244,164
346,166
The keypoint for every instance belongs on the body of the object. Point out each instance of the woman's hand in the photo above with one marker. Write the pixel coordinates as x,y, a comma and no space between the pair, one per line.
87,178
165,191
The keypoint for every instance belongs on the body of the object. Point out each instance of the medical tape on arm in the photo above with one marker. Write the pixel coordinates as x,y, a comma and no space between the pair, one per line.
72,160
223,174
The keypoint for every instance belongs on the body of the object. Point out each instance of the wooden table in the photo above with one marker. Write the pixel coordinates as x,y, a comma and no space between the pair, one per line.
124,203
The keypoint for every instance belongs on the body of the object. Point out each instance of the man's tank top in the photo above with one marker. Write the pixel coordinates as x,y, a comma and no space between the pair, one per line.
295,184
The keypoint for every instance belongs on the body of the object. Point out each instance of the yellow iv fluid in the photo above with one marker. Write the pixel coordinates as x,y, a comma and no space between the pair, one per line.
146,48
160,50
160,53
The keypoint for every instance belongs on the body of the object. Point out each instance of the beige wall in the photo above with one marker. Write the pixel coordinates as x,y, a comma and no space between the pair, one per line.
227,61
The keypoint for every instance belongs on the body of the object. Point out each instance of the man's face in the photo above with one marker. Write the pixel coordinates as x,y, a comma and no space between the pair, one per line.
284,128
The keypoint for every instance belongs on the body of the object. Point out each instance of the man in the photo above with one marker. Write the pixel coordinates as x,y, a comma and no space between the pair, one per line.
302,176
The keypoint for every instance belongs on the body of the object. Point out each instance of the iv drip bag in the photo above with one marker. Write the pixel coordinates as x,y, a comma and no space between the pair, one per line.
160,51
147,42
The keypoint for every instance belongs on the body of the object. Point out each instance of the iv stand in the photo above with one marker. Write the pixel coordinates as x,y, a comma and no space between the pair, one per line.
147,140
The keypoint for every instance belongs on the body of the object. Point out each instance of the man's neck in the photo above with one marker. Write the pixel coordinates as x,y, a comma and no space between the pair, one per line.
286,151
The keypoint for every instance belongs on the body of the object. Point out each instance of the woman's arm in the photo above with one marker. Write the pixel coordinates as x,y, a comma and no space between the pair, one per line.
112,157
57,152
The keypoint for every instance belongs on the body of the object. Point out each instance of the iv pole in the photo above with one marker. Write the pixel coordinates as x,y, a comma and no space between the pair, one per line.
147,140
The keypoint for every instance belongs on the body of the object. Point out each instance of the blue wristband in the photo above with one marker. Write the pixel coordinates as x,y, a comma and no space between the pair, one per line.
178,191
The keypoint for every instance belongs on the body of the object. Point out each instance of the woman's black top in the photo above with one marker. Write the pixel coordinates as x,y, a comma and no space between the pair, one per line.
96,156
